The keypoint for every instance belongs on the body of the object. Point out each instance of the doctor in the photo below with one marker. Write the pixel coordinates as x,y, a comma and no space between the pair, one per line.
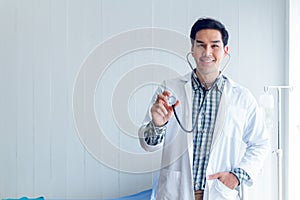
227,144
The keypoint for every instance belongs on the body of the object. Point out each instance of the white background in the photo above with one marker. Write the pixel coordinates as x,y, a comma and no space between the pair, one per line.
42,46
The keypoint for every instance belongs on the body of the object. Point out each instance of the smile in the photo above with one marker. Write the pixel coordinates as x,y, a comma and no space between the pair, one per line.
206,60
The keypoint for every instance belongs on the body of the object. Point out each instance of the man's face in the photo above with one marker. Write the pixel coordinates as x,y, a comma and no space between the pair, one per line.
208,51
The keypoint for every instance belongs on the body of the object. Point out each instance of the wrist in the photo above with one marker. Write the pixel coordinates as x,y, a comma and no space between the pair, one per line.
241,175
158,129
158,126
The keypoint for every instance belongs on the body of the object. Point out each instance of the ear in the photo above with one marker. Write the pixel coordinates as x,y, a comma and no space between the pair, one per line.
226,49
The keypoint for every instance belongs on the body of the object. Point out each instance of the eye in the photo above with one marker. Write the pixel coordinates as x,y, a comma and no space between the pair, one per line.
200,45
215,46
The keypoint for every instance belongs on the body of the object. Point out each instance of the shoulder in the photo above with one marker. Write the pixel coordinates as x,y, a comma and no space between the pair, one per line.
180,79
177,81
238,91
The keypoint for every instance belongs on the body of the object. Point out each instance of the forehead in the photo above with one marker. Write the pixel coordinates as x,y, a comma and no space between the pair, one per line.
208,35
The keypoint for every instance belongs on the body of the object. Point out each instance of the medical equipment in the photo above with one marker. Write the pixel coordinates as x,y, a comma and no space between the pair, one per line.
172,99
279,150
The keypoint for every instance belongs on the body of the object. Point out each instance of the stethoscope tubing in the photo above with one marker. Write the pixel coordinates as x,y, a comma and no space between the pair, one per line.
205,95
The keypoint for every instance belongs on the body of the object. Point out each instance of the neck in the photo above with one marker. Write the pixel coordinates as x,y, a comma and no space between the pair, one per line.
207,80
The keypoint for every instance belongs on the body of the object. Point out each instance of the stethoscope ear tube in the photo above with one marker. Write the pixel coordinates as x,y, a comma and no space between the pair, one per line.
221,71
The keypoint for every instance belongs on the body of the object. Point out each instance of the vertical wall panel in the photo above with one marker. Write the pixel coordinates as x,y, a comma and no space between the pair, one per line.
8,98
42,99
77,51
25,96
60,99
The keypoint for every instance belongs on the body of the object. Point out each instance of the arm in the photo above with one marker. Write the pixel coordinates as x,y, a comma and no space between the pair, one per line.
152,133
257,143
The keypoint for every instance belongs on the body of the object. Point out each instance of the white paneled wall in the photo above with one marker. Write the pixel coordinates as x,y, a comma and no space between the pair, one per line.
43,44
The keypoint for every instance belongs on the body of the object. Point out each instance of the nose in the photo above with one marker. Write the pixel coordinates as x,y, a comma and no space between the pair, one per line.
207,51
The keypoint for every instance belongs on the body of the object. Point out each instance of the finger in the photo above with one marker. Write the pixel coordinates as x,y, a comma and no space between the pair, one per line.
167,93
164,95
214,176
158,116
163,109
160,108
162,99
160,113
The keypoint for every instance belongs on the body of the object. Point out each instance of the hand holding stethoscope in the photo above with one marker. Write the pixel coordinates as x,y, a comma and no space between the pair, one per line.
162,110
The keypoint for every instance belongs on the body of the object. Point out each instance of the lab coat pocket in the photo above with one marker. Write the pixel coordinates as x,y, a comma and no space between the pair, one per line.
219,191
169,185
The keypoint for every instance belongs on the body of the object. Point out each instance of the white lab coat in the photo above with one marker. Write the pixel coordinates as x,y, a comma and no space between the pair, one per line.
239,141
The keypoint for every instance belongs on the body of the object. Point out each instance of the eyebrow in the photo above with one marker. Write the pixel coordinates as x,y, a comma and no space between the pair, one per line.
214,41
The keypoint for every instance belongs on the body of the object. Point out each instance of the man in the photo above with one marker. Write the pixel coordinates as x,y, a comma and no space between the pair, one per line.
228,143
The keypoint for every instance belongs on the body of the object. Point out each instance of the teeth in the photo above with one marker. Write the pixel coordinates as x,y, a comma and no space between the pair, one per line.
206,60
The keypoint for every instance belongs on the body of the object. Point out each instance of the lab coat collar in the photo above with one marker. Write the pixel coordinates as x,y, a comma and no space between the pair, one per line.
187,78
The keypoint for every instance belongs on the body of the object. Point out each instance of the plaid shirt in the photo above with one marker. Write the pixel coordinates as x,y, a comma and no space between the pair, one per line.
203,133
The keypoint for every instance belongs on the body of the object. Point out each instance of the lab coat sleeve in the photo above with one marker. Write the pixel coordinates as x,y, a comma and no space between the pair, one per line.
145,127
257,142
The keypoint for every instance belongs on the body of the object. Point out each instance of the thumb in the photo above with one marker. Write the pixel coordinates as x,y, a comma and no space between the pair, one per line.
177,103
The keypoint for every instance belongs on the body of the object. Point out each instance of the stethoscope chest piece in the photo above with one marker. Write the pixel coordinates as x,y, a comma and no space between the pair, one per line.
172,100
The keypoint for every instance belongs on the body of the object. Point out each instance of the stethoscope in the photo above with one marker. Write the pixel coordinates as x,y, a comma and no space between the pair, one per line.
172,99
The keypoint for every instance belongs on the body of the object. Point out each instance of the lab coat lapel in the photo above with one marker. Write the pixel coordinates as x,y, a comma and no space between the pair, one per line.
220,118
188,106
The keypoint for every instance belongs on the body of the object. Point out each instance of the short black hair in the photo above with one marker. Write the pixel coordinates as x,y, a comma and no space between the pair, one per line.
209,23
